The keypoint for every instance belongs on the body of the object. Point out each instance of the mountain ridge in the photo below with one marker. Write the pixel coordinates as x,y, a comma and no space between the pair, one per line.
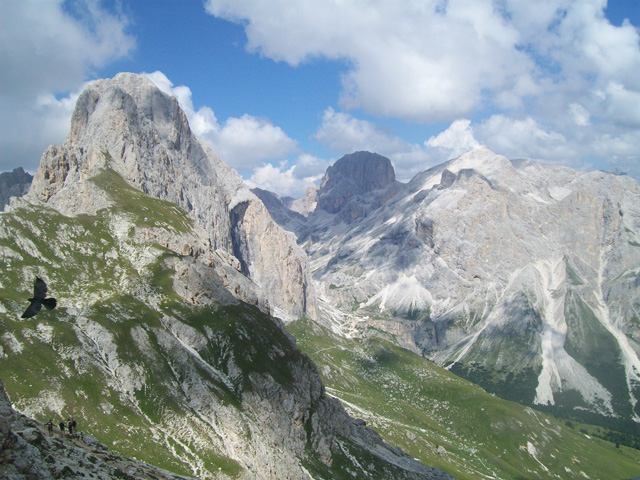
480,256
13,184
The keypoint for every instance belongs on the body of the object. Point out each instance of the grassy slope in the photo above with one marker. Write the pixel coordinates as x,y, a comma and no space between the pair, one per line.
105,281
109,282
419,407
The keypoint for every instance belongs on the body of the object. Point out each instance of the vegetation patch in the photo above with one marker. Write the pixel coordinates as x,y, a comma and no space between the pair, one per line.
450,423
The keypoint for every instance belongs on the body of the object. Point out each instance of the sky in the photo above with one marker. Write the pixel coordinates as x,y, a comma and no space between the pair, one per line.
282,89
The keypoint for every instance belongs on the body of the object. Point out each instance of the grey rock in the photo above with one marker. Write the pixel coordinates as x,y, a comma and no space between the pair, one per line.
128,125
351,176
13,184
222,375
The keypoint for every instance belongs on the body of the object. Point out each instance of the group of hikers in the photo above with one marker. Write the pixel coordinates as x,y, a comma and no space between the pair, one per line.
70,425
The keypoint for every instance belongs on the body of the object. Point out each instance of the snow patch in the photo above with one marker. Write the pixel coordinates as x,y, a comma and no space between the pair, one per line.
561,372
404,295
559,193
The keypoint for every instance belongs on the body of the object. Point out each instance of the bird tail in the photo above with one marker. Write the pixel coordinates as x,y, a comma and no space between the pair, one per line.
50,303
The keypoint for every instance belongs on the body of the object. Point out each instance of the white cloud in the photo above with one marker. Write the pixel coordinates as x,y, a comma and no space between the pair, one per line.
47,50
580,114
416,60
247,140
344,133
622,105
287,180
243,143
523,138
455,140
553,79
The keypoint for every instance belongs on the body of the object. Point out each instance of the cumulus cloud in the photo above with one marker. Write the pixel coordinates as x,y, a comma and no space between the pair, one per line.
554,73
416,60
47,50
455,140
289,180
342,132
243,143
247,140
523,138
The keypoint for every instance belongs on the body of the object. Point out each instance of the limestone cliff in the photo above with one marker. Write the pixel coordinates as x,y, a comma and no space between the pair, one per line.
13,184
128,125
347,182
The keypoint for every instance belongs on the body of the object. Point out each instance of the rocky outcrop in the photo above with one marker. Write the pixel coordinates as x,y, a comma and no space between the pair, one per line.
28,451
280,209
13,184
353,176
128,125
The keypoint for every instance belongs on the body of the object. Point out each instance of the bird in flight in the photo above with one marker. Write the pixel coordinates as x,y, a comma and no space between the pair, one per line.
39,299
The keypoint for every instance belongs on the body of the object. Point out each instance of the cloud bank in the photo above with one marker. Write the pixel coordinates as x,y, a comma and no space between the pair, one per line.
46,51
552,80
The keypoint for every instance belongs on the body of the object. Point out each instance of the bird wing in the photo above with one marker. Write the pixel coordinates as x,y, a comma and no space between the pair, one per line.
39,289
32,309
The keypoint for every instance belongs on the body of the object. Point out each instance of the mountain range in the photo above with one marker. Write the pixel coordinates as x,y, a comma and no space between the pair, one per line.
185,302
518,275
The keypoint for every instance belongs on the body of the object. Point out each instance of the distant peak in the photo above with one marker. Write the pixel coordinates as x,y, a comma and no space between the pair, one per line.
353,174
483,161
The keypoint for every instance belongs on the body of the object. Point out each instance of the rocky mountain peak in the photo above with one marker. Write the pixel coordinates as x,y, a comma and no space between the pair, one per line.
482,161
127,125
13,184
353,174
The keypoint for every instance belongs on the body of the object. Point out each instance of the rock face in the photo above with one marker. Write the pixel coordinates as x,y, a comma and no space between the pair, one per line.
13,184
128,125
29,453
352,176
518,275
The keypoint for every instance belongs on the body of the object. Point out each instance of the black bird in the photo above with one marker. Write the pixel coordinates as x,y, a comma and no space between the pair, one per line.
39,294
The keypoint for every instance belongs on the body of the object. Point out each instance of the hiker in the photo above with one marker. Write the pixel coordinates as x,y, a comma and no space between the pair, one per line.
74,425
69,425
50,427
61,425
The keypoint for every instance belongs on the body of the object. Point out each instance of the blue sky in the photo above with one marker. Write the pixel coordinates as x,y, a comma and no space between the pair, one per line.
282,89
